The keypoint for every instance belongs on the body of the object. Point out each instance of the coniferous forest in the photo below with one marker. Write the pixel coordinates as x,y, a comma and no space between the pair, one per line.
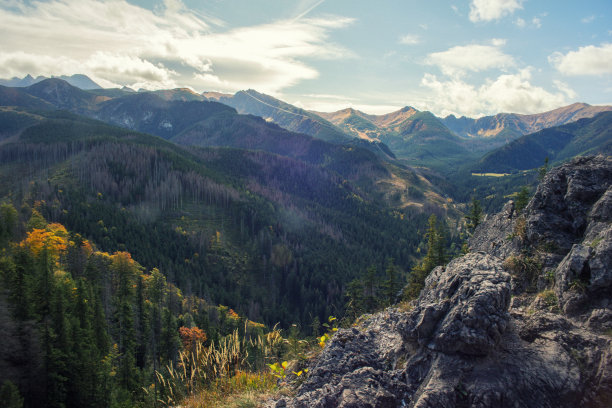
122,255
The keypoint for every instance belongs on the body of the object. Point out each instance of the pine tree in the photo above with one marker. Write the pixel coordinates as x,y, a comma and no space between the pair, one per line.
370,290
475,215
392,284
355,305
170,339
9,395
436,255
543,170
8,223
124,270
522,199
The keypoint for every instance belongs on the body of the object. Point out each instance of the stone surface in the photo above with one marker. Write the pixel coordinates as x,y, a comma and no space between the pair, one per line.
467,342
558,213
496,236
463,307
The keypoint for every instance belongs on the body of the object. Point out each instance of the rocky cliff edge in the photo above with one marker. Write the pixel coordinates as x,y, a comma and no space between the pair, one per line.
523,320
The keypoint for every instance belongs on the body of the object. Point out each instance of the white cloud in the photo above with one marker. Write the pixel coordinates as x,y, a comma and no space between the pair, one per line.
475,57
118,42
535,22
588,19
506,93
589,60
409,39
139,73
487,10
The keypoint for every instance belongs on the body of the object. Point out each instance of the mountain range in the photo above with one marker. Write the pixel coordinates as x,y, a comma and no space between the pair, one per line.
584,137
78,80
416,138
407,157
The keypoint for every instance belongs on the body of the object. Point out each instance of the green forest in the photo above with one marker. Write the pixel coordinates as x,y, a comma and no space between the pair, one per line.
124,255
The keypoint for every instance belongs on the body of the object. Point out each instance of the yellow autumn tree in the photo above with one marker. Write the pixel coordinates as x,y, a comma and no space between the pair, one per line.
53,238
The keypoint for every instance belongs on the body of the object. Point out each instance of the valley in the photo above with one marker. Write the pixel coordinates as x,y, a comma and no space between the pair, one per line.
239,215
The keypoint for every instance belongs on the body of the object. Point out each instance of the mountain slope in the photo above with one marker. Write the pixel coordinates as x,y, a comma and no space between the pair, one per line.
417,137
17,97
62,95
585,136
512,125
148,112
179,94
203,123
281,113
274,237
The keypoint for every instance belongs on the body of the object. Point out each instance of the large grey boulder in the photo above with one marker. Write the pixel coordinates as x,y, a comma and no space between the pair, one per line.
463,307
558,213
358,367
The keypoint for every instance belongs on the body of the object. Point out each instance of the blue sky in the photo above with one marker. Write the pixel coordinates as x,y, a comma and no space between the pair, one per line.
471,57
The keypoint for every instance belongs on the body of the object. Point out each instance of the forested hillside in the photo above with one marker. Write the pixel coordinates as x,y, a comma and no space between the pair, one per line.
247,229
84,327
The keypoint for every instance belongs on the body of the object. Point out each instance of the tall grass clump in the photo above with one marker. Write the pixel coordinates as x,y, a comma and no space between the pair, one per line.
234,364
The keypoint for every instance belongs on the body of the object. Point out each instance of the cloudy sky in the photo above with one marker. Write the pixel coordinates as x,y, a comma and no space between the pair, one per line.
467,57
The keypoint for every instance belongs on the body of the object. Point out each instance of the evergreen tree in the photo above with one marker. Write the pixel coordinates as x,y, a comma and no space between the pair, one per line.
8,223
316,326
522,199
371,298
124,271
474,216
355,304
436,255
543,170
10,396
170,339
392,284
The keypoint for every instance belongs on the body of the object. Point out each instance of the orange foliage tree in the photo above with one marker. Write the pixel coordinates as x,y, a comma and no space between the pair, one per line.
191,337
53,238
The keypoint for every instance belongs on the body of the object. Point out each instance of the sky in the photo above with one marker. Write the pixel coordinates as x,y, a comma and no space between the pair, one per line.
469,57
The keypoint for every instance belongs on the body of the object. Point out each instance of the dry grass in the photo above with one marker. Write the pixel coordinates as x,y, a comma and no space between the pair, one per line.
234,366
245,389
490,174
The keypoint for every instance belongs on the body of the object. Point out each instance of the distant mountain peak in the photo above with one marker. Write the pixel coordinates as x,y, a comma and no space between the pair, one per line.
513,125
79,80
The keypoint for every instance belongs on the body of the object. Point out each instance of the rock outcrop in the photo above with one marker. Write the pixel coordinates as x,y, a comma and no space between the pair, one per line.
480,335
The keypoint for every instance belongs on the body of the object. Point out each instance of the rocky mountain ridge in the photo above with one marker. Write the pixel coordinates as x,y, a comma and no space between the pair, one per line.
584,137
512,125
523,320
283,114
